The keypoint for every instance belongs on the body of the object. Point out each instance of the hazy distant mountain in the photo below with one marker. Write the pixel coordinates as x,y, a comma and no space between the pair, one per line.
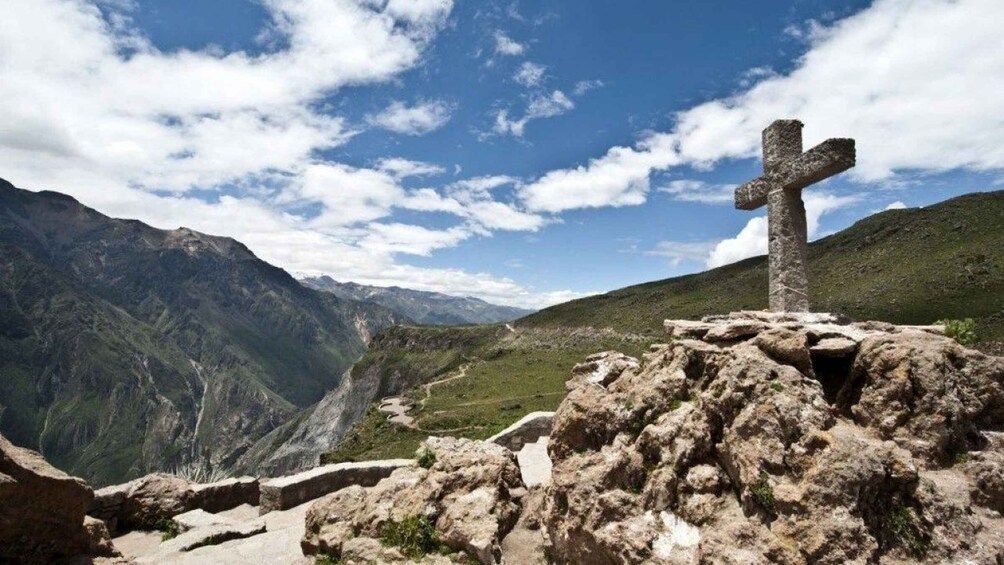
422,307
125,348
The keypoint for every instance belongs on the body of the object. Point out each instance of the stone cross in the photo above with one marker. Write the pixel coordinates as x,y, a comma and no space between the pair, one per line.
786,171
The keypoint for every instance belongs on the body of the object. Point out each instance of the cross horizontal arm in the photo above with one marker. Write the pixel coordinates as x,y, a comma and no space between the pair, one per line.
830,157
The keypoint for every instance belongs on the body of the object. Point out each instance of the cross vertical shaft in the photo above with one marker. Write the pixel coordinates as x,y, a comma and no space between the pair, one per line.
786,224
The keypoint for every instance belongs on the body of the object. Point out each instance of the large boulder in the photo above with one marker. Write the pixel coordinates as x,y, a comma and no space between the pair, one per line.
155,498
753,444
466,501
42,511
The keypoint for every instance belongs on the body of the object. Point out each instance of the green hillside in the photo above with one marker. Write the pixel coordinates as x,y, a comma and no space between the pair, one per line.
912,266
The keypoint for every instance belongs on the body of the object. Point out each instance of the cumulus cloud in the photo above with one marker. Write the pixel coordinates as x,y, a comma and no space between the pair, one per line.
619,178
412,120
897,205
530,74
752,239
540,106
504,45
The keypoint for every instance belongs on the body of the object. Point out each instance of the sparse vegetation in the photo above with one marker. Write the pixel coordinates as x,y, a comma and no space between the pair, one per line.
415,536
962,331
426,458
777,387
200,473
904,526
168,529
763,493
325,559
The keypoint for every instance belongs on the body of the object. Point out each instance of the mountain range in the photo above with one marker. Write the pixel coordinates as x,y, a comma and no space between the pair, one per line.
126,349
423,307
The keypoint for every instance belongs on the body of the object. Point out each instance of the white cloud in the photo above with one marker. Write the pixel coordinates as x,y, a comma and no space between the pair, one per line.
619,178
897,205
504,45
415,120
752,239
402,168
540,106
584,86
689,190
530,74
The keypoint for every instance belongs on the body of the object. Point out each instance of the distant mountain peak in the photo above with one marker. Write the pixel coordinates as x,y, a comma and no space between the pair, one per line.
422,306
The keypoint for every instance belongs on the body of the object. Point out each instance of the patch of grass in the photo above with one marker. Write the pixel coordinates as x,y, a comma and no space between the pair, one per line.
415,536
426,459
904,525
962,331
777,387
168,528
325,559
763,493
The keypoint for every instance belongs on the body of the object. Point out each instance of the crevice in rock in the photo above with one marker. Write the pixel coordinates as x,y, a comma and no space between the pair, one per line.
834,373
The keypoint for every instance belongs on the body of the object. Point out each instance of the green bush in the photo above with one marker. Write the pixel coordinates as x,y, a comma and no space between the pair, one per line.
426,458
962,331
415,536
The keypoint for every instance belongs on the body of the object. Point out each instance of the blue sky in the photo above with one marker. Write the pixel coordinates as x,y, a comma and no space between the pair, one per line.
522,152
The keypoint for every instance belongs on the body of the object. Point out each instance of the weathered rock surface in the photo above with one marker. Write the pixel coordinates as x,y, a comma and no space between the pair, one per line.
752,447
42,511
155,497
469,496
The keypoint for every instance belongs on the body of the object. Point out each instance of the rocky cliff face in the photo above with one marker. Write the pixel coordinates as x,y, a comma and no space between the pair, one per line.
126,349
399,358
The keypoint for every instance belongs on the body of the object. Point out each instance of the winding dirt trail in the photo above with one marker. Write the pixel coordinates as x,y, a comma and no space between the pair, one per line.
398,406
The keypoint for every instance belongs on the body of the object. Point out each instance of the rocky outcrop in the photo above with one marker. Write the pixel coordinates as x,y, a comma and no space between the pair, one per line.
42,512
148,501
466,501
770,439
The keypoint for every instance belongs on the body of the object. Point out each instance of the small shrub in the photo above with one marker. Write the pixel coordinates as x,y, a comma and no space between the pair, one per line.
168,528
426,458
763,493
325,559
777,387
675,404
962,331
201,474
905,529
415,536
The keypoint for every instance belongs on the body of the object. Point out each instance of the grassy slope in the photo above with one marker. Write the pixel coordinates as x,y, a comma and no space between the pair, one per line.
905,266
902,266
